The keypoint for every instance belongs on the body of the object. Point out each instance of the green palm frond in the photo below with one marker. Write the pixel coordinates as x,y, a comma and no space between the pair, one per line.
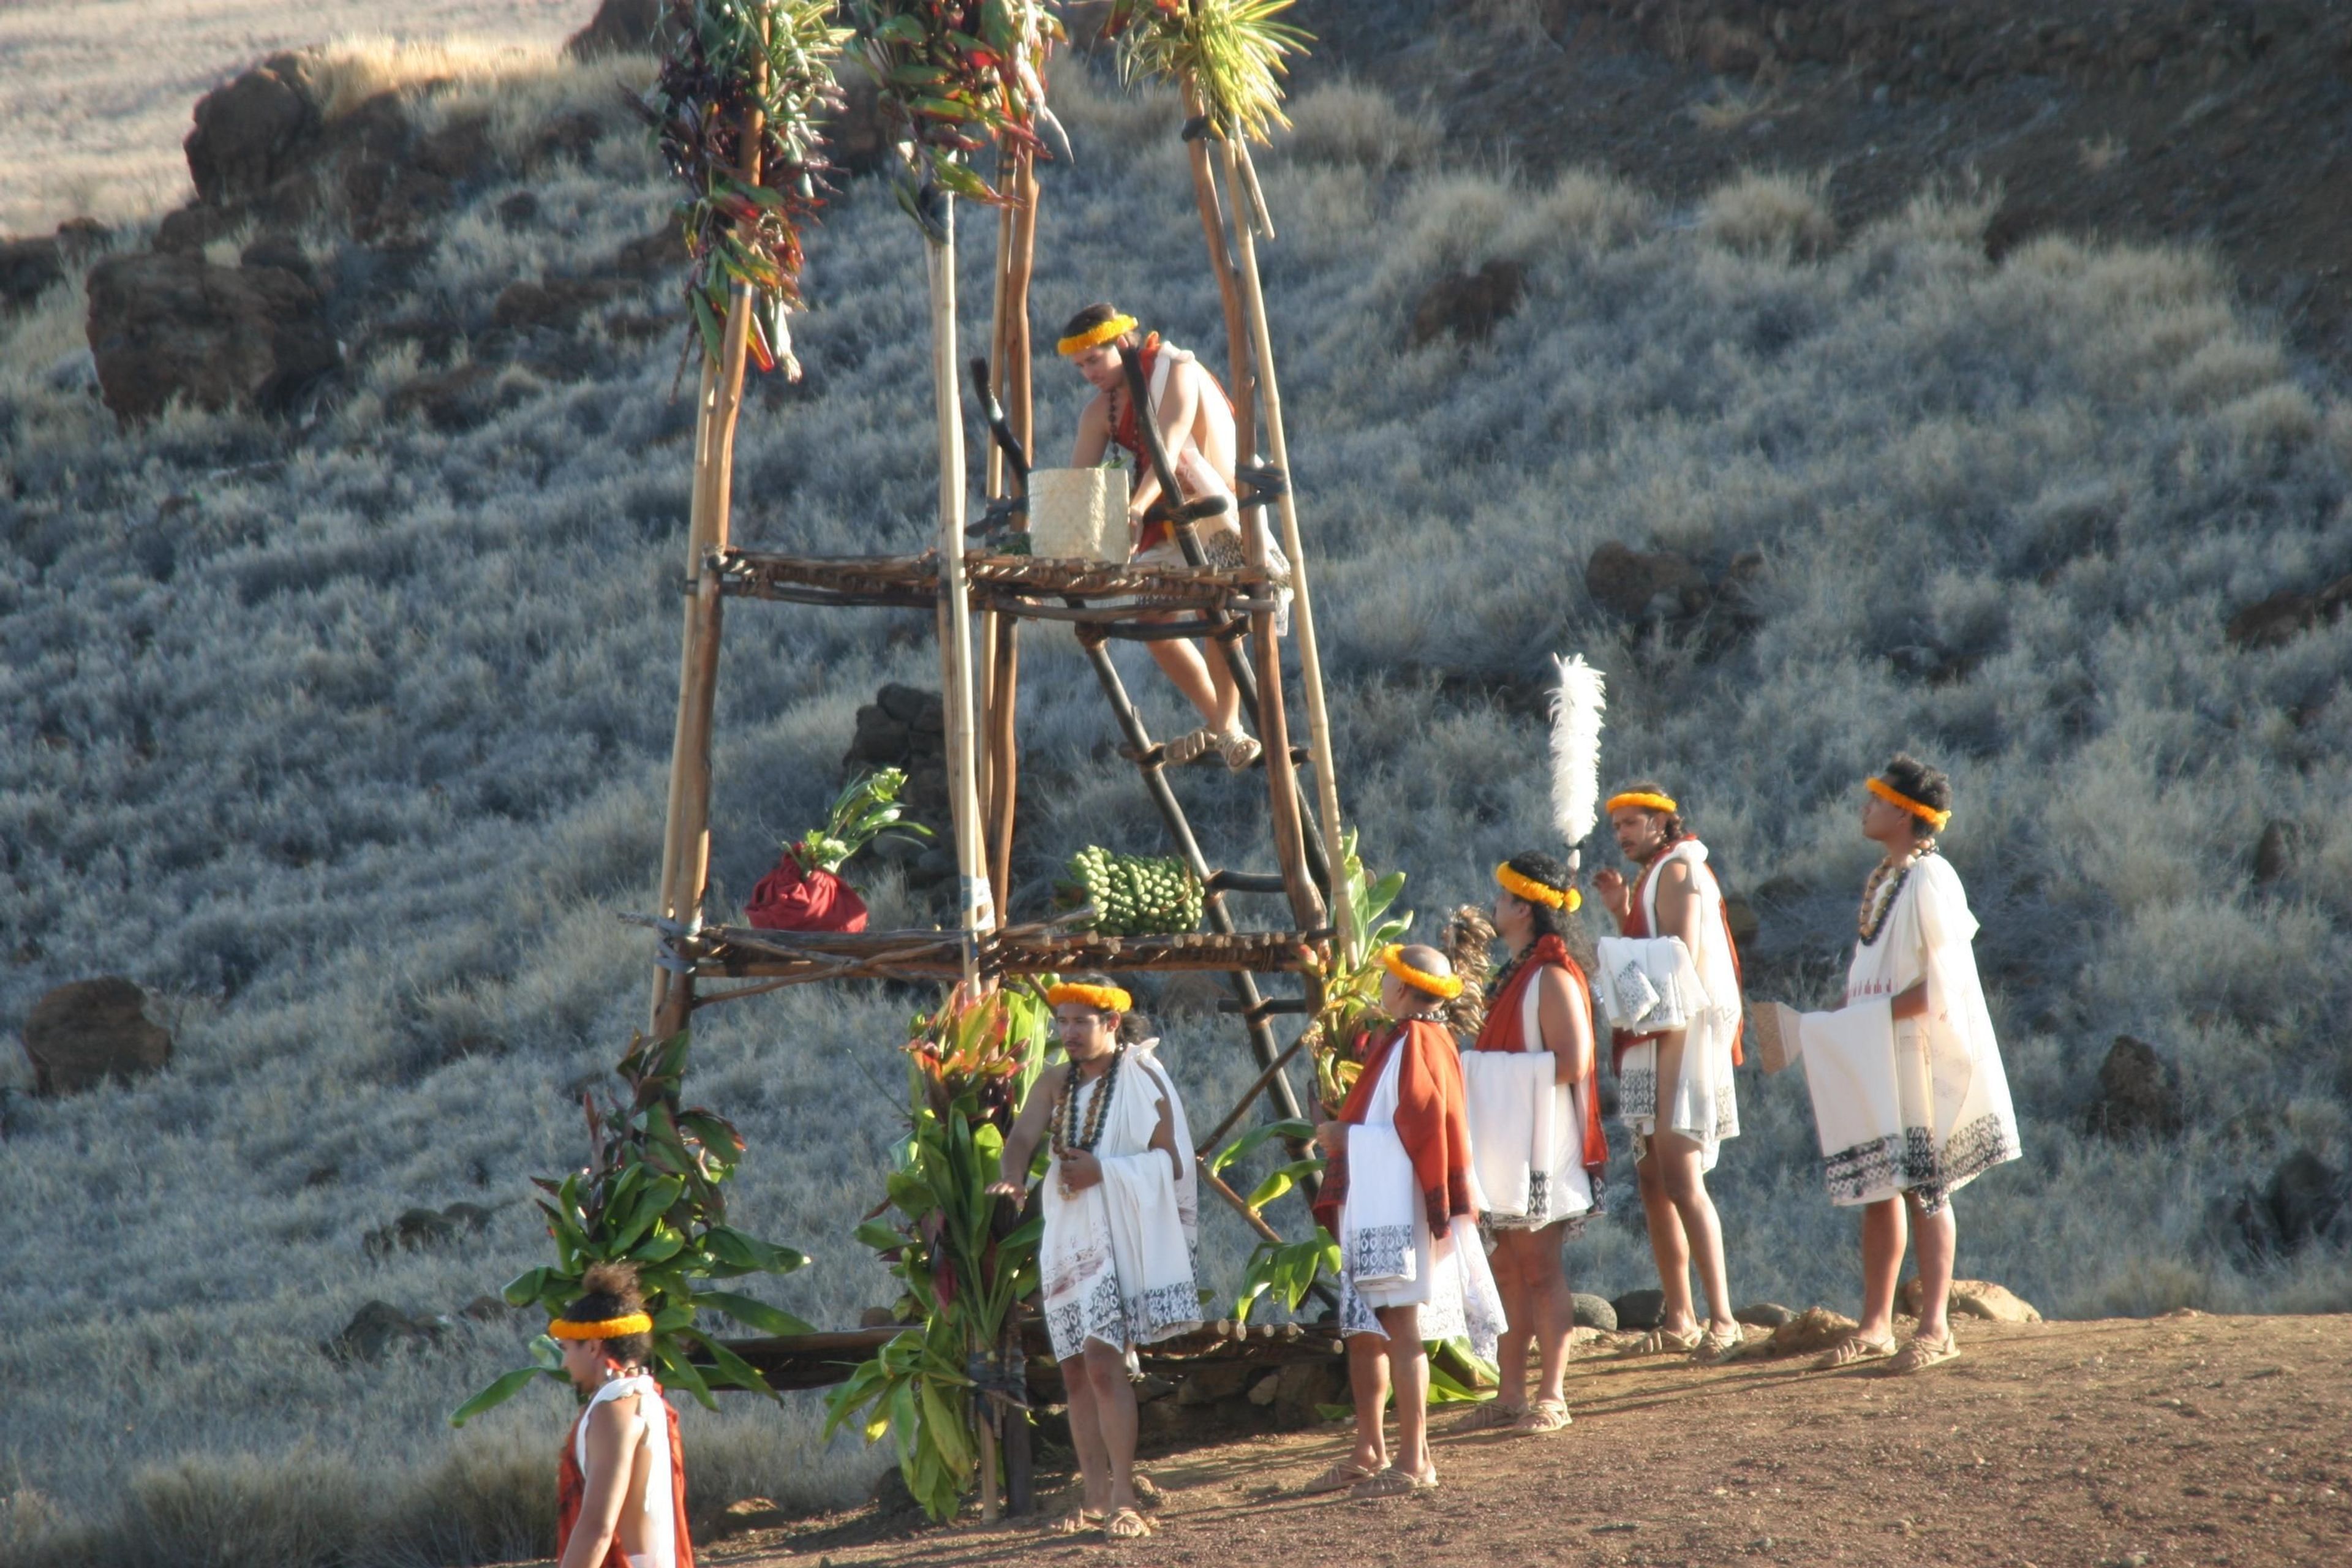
1232,51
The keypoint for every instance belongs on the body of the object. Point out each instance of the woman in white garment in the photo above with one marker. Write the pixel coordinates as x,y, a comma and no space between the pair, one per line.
1914,982
1675,1087
1116,1264
1534,1134
621,1483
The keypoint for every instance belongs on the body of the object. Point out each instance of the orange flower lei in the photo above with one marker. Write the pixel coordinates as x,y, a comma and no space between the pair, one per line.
1448,986
1104,998
618,1328
1901,802
1535,892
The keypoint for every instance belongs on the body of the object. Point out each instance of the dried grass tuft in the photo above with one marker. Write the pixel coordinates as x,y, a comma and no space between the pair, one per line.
1770,214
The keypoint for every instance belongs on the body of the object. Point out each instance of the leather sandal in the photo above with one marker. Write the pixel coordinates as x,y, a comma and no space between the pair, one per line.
1923,1352
1715,1349
1343,1474
1666,1341
1545,1416
1392,1482
1238,750
1189,747
1077,1521
1491,1417
1125,1524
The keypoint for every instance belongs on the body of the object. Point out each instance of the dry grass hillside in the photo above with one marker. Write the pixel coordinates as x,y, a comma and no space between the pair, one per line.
345,732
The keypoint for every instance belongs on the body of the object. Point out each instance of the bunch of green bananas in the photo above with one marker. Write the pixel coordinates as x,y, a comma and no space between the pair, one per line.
1137,895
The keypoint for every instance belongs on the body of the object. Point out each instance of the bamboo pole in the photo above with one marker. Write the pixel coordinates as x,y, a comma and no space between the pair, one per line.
1241,380
686,838
975,910
1311,666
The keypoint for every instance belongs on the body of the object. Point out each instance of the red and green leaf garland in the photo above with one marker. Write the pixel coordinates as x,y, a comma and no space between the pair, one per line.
956,76
725,62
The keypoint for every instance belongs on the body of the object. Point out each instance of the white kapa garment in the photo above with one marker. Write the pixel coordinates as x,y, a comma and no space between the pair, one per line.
1701,1104
1526,1131
1921,1105
1390,1257
1116,1261
652,1430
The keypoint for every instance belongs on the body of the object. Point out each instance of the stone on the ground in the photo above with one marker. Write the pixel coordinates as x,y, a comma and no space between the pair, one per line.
1764,1314
2137,1092
377,1329
1973,1298
29,269
167,326
1811,1332
1468,306
1633,584
745,1515
252,130
84,1033
1639,1308
1594,1313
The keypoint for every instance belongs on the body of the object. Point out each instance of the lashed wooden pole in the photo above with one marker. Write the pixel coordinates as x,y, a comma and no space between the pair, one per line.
975,910
1310,662
686,838
1240,379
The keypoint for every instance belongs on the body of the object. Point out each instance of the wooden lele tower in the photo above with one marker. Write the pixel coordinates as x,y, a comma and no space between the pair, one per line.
981,600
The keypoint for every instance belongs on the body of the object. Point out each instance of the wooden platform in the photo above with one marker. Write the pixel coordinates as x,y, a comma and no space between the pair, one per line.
751,954
1020,586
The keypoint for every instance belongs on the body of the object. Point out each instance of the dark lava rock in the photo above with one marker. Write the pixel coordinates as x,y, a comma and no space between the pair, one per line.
29,269
82,1034
2276,851
2279,619
1468,306
1765,1315
1594,1313
1640,1309
252,132
2138,1092
619,27
378,1329
166,326
1633,583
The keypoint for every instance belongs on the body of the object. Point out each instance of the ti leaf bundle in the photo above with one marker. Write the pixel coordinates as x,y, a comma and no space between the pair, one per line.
727,65
1231,51
867,809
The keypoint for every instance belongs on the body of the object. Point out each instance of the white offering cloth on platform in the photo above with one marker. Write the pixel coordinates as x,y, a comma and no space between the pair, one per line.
1388,1256
1117,1260
1701,1103
653,1427
1527,1131
1920,1106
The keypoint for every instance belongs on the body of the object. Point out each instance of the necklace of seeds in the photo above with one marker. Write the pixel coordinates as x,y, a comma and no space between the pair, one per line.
1872,918
1072,1140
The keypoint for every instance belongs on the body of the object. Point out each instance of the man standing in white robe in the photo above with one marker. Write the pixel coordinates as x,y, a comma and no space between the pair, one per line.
1908,1092
1121,1208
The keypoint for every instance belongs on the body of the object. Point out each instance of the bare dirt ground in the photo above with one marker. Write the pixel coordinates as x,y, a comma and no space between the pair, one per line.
95,95
2177,1440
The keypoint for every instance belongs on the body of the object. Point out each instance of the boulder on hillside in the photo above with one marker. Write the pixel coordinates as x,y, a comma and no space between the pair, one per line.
1973,1298
29,269
2301,1202
2138,1092
619,27
378,1329
1636,584
856,137
1594,1313
82,1034
1468,306
2286,615
173,325
253,132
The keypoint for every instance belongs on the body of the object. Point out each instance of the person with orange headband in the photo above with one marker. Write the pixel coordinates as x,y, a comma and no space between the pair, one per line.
621,1482
1675,1084
1122,1218
1535,1128
1196,427
1397,1194
1908,1094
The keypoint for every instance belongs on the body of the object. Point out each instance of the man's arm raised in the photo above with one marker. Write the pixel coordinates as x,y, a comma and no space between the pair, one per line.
1029,1129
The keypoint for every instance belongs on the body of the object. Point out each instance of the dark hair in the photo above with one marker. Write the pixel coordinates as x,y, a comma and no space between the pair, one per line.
1537,867
610,1290
1088,320
1676,826
1931,787
1132,1025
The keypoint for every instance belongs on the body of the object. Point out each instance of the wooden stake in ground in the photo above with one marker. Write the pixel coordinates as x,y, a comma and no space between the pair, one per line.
1310,663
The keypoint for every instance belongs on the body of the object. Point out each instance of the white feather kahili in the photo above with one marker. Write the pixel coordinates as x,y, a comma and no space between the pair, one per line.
1576,710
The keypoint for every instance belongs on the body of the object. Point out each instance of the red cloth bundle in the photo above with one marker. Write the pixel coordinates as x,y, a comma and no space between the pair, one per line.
789,898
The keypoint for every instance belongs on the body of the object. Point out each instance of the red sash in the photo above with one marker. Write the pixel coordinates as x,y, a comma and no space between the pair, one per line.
1500,1031
1433,1122
572,1494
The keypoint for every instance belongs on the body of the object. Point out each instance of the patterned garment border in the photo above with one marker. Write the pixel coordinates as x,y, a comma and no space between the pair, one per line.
1909,1162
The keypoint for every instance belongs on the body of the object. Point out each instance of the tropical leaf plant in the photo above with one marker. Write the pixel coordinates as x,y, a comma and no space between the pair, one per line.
954,77
1352,986
1232,52
962,1257
866,809
729,65
651,1195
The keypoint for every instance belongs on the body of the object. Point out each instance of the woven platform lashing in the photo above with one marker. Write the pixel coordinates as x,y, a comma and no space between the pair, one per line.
1013,584
750,954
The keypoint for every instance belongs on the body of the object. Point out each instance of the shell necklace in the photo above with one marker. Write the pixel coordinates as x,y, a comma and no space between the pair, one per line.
1072,1140
1875,910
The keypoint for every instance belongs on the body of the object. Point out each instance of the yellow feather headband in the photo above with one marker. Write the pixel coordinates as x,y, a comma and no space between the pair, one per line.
1536,892
1448,986
1645,800
619,1328
1080,342
1104,998
1897,798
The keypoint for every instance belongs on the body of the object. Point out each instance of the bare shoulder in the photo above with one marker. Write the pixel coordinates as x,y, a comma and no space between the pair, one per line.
1676,874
